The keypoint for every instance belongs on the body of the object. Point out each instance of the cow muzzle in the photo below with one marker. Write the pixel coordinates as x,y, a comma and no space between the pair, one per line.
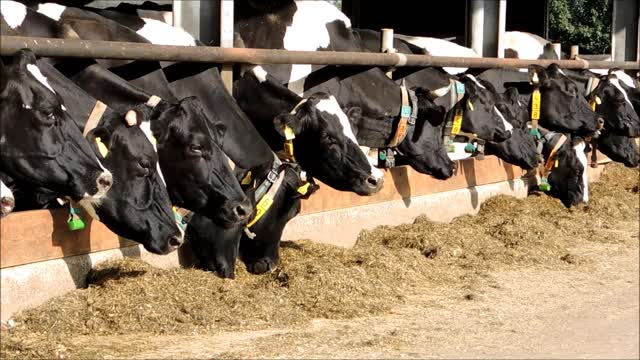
7,203
103,183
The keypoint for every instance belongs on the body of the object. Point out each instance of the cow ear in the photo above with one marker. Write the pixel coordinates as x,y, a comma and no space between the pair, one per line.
23,58
219,129
296,120
512,95
354,114
537,73
100,140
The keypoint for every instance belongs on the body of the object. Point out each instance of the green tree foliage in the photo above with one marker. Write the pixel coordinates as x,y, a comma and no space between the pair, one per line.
586,23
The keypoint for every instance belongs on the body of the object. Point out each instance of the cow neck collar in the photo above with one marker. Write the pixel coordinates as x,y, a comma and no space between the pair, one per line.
406,120
453,125
556,140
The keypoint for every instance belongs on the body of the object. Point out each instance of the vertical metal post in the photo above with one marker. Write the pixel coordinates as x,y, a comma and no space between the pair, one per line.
624,30
226,40
557,48
477,25
186,16
386,45
502,25
575,51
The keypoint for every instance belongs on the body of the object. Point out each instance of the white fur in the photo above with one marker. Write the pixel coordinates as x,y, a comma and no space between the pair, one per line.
459,153
260,73
529,46
308,32
616,83
331,106
625,78
582,157
441,91
439,47
51,10
160,33
507,125
145,126
35,71
13,13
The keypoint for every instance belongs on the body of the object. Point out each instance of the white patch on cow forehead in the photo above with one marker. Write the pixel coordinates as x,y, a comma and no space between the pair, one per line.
299,73
160,33
582,157
51,10
616,83
625,78
145,126
13,13
507,125
35,71
332,107
475,80
260,73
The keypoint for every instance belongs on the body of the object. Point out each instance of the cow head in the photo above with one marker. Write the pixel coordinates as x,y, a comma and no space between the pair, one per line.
196,171
39,142
326,148
568,176
261,254
137,206
615,107
619,148
423,148
563,107
520,149
215,247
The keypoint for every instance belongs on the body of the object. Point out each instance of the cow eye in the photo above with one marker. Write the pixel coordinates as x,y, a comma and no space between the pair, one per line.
144,163
195,149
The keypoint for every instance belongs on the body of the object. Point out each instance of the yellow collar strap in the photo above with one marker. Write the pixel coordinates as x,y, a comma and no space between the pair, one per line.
551,160
265,202
407,116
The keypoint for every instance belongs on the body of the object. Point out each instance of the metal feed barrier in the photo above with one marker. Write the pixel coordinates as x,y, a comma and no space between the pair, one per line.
209,54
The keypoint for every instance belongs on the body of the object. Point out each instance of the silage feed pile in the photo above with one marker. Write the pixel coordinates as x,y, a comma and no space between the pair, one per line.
129,297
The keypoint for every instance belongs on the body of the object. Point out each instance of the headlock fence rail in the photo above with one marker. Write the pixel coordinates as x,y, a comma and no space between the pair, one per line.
208,54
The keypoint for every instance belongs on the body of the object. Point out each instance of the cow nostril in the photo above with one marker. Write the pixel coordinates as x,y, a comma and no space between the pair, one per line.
8,203
372,181
600,121
105,181
241,211
175,241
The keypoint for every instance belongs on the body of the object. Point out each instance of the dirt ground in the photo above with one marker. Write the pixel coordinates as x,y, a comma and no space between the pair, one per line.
512,314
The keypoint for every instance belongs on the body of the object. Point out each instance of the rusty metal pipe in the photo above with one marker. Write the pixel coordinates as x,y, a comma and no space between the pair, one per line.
208,54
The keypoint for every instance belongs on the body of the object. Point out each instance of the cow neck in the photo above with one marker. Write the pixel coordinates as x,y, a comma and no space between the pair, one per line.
406,121
453,125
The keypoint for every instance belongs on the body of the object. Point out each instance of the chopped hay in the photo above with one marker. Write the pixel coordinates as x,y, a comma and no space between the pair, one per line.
129,297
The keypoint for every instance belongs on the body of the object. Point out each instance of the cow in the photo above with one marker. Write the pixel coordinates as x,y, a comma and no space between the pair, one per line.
565,167
258,245
39,145
7,201
138,206
197,173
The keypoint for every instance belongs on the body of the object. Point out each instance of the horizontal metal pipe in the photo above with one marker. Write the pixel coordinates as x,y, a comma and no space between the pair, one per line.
135,51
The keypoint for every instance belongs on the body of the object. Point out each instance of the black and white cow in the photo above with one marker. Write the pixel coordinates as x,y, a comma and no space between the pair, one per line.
137,207
197,173
567,167
40,145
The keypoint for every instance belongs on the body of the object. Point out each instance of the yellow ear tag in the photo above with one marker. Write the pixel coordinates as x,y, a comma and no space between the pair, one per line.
457,122
102,148
288,133
556,164
469,105
598,100
304,189
154,141
247,179
535,105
